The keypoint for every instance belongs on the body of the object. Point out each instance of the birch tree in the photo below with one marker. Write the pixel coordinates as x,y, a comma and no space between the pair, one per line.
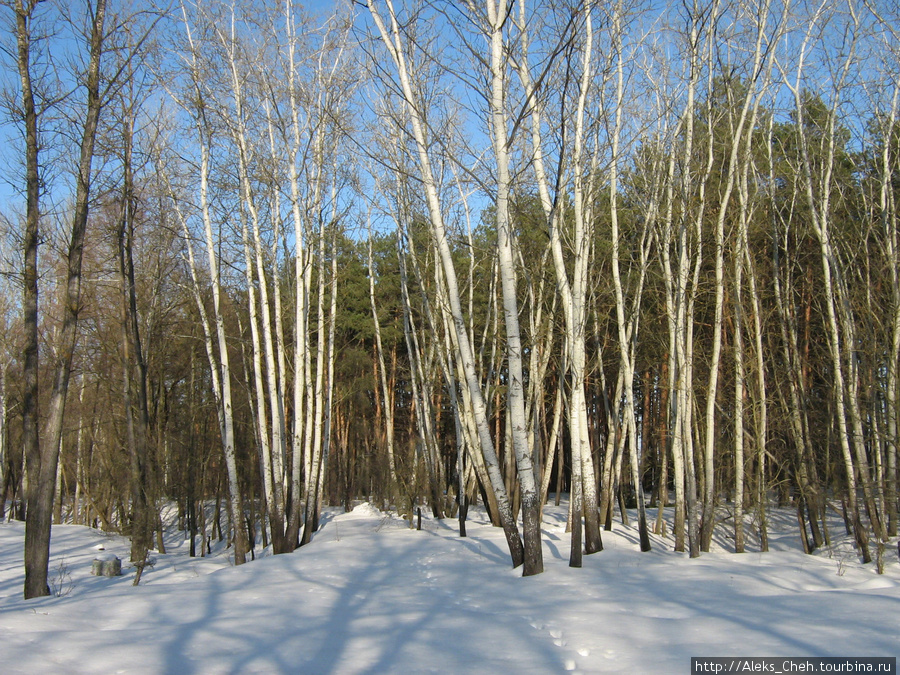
740,120
497,18
194,101
681,255
627,319
268,386
392,39
572,290
817,166
887,167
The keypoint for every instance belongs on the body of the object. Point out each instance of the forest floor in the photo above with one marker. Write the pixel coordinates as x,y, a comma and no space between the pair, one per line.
370,595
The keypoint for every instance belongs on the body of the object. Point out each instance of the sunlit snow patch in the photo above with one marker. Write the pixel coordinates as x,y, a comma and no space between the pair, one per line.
366,510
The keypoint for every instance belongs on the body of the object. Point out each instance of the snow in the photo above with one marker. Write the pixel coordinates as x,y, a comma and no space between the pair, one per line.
366,510
370,595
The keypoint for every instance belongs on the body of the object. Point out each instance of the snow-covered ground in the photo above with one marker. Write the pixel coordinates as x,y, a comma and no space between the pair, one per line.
369,595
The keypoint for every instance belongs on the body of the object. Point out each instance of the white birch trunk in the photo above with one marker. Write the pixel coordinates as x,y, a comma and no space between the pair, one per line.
220,362
731,175
329,387
386,394
742,261
237,508
515,400
272,442
817,187
667,237
392,41
627,326
572,292
301,403
888,210
280,344
317,401
419,381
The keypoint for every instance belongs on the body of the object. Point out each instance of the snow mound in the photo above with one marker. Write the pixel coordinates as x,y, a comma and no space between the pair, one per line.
366,510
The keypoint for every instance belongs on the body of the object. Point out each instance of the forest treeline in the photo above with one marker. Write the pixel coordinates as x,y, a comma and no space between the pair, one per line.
437,253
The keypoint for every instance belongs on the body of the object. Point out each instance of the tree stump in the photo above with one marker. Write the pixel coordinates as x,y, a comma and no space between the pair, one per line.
106,566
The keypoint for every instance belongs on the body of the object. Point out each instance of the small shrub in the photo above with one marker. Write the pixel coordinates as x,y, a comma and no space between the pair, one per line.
61,583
